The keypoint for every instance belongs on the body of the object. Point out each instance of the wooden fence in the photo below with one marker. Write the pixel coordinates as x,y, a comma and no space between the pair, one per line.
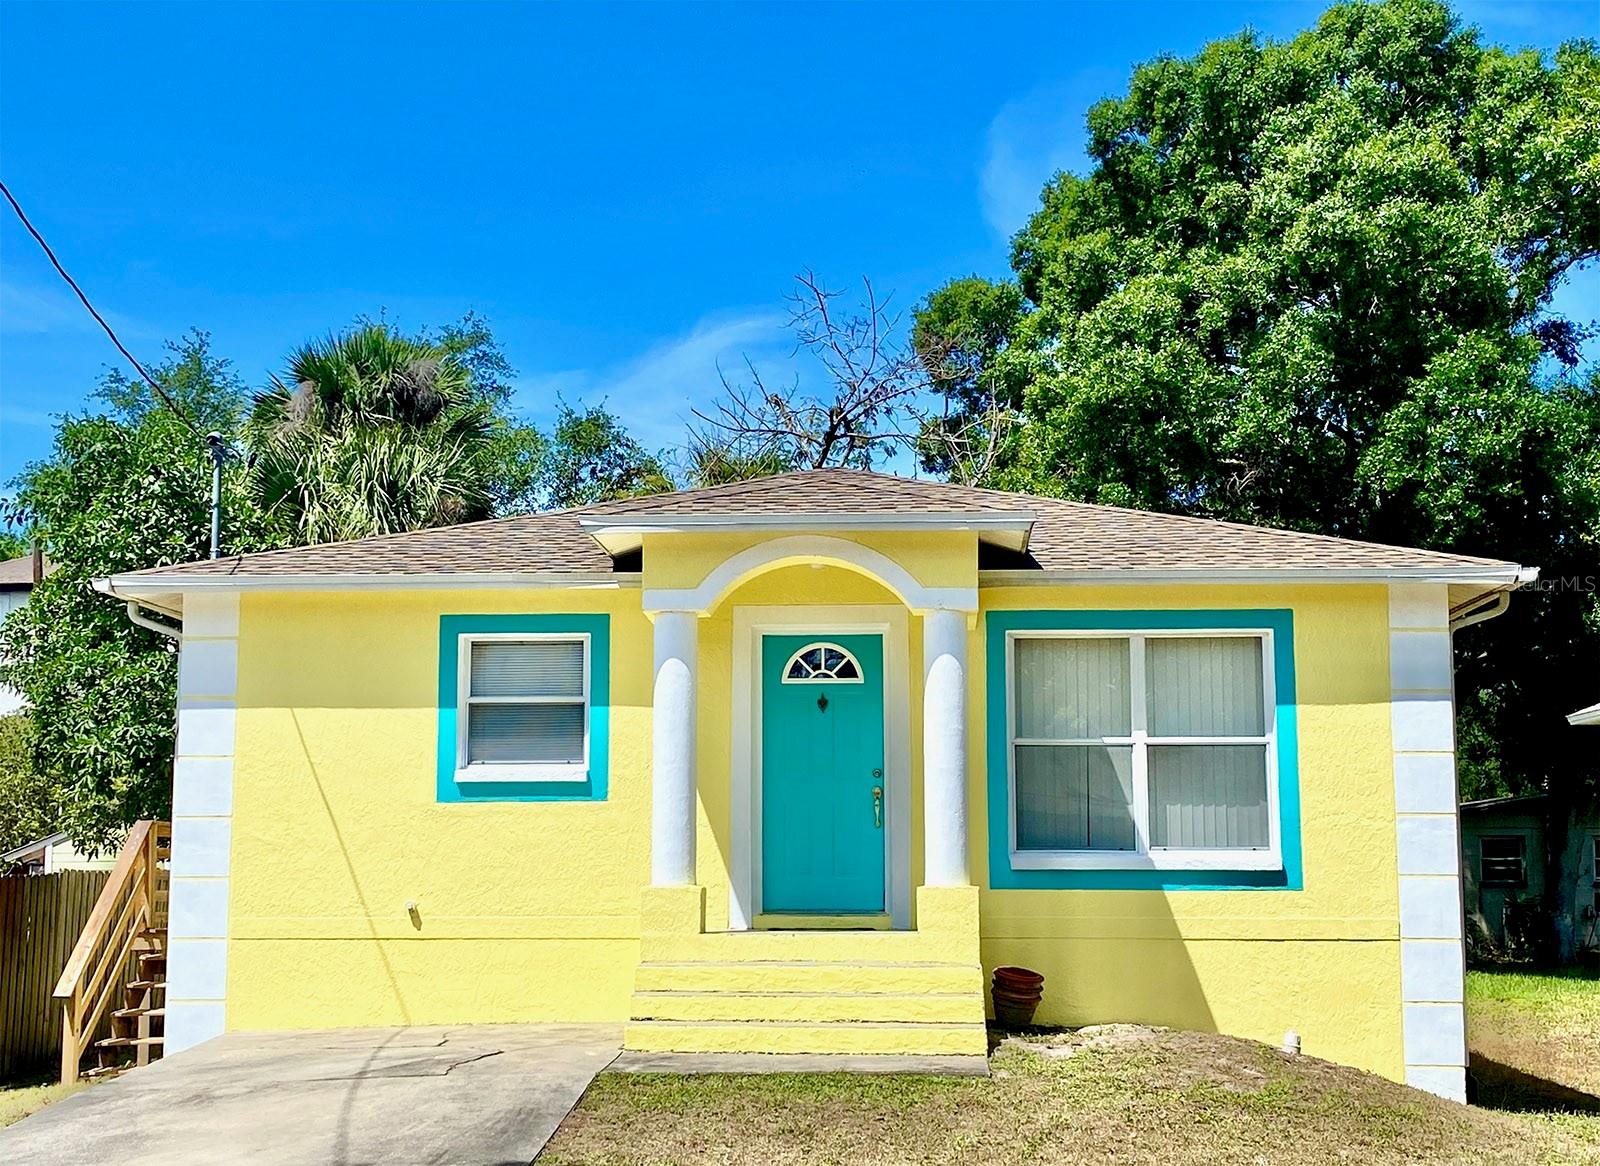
41,917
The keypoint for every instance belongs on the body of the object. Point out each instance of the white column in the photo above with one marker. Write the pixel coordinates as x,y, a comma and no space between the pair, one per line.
944,748
1428,840
202,820
672,785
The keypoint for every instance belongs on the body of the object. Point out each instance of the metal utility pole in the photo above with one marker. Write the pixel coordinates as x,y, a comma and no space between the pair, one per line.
219,450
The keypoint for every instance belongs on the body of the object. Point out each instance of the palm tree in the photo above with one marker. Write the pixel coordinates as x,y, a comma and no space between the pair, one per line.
371,433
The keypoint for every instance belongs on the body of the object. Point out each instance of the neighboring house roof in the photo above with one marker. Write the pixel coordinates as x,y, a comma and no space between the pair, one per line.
1070,538
28,849
1507,802
16,574
1588,716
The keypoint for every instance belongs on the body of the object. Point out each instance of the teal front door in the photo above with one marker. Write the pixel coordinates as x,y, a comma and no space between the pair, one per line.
822,787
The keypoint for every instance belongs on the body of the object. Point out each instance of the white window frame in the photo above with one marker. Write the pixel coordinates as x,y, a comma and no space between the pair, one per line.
1521,839
1144,856
508,771
859,678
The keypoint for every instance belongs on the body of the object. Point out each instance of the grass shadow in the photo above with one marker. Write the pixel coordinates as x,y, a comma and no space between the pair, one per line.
1494,1085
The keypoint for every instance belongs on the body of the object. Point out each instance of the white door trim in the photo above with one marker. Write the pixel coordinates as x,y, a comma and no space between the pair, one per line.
749,625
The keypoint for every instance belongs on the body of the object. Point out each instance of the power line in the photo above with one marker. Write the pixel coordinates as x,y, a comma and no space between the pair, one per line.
99,319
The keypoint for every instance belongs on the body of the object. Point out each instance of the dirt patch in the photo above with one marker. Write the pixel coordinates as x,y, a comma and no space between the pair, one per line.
1112,1093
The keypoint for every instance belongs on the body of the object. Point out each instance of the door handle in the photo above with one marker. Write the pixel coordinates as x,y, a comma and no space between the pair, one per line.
877,806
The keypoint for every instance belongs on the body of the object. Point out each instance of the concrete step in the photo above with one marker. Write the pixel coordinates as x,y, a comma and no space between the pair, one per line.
850,947
919,1008
865,1038
807,976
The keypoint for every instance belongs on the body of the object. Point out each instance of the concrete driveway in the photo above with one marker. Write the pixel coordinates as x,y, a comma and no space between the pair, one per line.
484,1095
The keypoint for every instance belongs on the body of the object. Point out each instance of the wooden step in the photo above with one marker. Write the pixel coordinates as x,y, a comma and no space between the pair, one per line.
145,985
136,1011
128,1042
150,957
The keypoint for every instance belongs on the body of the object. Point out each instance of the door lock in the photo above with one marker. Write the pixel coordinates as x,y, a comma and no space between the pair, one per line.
877,805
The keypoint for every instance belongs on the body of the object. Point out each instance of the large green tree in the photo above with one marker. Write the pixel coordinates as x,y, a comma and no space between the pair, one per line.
371,432
590,457
1308,284
124,488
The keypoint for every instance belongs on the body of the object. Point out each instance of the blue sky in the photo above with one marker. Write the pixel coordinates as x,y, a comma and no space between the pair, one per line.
625,192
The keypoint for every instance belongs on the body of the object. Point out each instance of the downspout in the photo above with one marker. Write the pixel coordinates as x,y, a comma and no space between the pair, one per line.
140,619
1501,601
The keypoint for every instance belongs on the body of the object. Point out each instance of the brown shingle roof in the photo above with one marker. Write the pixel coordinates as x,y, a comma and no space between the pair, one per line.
16,573
1071,536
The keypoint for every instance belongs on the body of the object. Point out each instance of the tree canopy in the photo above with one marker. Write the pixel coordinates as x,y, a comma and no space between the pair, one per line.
125,488
371,433
1308,284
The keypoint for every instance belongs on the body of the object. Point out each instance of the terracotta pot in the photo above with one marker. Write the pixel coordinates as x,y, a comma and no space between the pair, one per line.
1018,979
1014,1014
1016,993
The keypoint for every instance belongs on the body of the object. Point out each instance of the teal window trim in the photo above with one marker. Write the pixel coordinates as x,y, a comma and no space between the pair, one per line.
593,787
1002,876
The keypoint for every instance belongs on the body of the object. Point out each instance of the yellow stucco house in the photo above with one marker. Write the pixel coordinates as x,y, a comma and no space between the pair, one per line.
790,765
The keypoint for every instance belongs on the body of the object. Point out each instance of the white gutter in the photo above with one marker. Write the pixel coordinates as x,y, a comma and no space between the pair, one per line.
124,586
1510,575
1588,716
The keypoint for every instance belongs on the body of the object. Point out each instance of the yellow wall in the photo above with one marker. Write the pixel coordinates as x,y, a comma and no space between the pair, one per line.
530,911
1325,960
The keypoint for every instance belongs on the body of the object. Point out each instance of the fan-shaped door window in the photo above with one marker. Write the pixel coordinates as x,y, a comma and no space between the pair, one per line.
822,664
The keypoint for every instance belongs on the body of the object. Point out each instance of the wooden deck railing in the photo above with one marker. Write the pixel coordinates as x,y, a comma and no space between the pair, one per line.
130,915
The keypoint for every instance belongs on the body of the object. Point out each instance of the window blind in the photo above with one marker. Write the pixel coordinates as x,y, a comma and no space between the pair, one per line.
532,668
535,733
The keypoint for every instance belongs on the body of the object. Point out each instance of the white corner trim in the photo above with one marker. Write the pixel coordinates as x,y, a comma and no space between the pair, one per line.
202,819
749,625
784,552
1427,839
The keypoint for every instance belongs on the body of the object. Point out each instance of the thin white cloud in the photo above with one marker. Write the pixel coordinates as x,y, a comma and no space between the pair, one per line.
655,393
27,309
41,309
1032,139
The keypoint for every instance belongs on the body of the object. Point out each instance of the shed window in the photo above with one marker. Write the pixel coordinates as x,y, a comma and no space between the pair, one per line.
1151,748
1502,861
525,708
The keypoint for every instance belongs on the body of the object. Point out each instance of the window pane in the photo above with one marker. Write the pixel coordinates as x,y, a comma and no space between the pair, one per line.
1204,686
1071,688
529,668
1500,861
1074,797
1207,796
525,732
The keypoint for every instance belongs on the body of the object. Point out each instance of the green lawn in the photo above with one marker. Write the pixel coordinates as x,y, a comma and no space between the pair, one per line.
18,1101
1127,1096
1535,1039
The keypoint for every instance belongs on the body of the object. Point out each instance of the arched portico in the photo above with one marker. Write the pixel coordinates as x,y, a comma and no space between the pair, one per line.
676,613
